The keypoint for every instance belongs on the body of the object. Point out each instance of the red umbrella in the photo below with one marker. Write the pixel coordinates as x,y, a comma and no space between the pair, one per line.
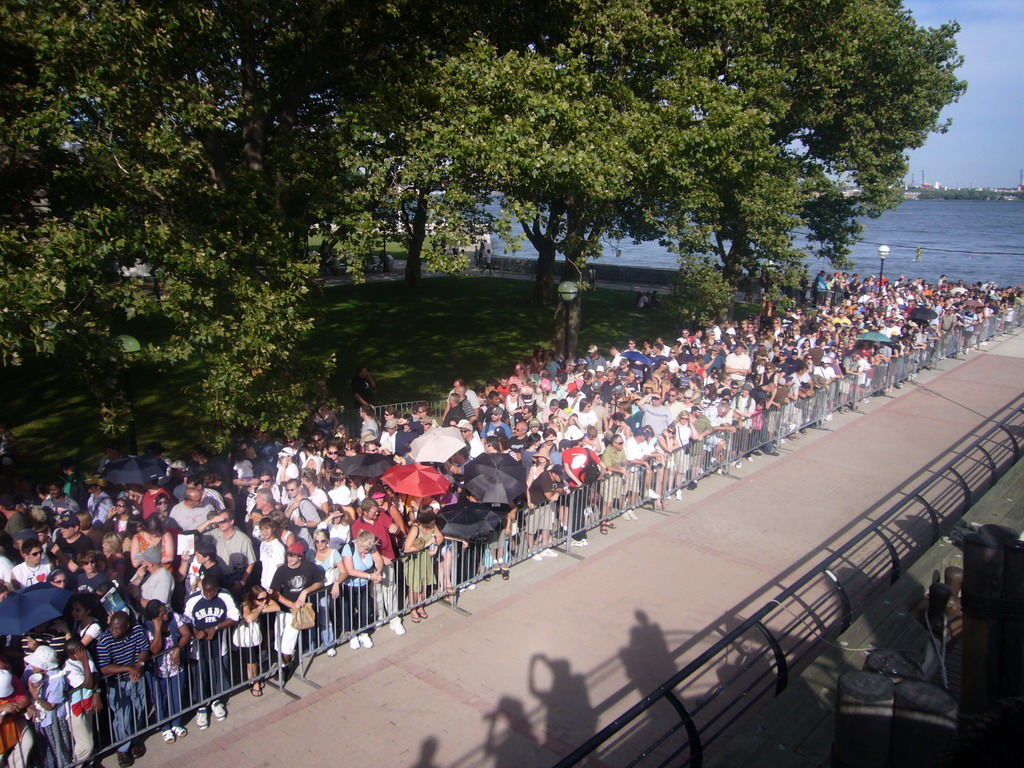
415,480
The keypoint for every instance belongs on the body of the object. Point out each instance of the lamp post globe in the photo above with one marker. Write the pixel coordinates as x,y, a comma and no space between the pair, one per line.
883,252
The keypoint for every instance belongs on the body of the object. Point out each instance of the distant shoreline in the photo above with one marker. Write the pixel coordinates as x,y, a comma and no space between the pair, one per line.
976,197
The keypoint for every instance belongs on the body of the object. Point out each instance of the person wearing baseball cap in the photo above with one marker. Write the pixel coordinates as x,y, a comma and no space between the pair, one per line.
291,586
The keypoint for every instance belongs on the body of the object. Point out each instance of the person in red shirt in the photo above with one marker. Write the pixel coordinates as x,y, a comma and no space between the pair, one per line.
583,466
385,593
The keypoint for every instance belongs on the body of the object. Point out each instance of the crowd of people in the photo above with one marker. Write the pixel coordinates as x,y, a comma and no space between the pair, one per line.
174,587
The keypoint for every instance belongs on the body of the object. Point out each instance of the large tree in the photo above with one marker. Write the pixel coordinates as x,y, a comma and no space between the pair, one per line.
721,128
199,140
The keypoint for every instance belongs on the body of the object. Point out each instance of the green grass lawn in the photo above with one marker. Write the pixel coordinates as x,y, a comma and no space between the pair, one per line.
414,341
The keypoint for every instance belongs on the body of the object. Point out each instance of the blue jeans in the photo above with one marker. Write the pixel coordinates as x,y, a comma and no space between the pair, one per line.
127,709
326,613
210,669
168,696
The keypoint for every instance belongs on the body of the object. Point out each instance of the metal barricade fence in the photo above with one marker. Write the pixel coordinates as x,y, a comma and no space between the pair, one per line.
215,669
174,685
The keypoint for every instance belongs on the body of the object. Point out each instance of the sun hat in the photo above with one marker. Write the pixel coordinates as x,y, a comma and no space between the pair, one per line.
43,657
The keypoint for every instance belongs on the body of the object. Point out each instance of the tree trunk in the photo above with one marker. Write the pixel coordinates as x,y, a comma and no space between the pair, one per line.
415,243
575,312
543,286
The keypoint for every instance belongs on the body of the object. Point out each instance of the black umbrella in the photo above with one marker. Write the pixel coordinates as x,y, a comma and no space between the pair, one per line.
469,520
923,313
135,470
495,477
365,465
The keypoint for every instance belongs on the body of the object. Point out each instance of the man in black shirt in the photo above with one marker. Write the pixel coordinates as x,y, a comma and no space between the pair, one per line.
362,388
291,585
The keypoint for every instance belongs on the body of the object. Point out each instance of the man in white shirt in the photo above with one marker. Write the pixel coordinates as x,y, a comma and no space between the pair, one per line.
476,446
387,437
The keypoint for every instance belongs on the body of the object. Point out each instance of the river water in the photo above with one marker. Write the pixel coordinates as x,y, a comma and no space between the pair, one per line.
973,241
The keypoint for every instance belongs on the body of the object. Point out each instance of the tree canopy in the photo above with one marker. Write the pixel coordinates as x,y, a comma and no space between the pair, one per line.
162,166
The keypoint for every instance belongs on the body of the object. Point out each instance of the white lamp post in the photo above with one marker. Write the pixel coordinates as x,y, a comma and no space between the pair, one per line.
883,252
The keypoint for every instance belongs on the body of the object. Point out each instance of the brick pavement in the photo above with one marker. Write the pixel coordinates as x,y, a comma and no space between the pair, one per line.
565,646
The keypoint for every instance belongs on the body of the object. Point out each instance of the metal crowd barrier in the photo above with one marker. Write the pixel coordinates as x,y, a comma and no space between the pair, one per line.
421,580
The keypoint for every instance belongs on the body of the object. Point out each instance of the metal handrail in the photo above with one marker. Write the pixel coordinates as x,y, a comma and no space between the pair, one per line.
756,619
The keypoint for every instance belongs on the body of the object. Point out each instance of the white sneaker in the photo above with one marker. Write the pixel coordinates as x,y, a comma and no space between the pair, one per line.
332,652
180,732
582,543
738,465
169,737
219,711
538,557
679,495
366,642
354,643
652,494
203,719
549,553
396,627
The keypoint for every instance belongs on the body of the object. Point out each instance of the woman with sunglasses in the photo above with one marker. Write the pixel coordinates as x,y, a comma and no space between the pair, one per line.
327,606
256,604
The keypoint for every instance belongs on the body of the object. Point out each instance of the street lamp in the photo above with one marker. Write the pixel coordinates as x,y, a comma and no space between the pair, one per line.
130,345
567,292
883,251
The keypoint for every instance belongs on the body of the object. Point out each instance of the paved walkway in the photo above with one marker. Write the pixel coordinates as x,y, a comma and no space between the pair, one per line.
566,645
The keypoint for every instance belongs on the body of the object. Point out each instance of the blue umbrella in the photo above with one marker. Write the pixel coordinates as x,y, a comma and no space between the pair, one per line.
20,612
47,593
637,357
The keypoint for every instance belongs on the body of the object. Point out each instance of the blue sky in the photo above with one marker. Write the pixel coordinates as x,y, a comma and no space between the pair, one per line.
985,145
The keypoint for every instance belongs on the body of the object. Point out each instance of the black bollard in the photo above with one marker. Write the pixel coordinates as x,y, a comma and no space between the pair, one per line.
923,724
1011,675
864,703
983,585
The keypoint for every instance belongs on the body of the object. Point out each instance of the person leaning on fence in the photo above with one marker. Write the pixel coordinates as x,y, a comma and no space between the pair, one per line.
169,635
328,560
209,611
121,653
421,545
291,586
384,529
542,491
82,677
249,636
364,565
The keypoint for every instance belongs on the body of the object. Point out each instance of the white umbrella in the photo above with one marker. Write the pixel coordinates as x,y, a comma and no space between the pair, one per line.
437,444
